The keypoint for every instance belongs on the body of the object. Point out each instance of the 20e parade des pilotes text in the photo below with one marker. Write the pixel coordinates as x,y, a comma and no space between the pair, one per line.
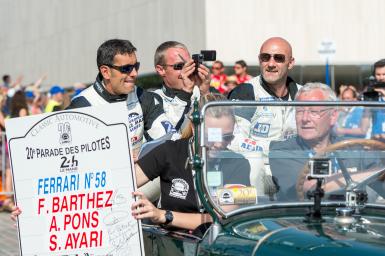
79,216
96,145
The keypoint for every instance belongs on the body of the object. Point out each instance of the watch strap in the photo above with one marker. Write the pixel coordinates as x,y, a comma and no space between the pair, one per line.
169,217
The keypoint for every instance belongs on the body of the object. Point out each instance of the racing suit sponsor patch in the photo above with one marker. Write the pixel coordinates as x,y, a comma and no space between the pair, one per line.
134,120
250,145
265,113
261,130
168,127
268,98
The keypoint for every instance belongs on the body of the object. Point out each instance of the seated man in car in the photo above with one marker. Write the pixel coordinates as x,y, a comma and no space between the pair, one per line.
179,203
315,133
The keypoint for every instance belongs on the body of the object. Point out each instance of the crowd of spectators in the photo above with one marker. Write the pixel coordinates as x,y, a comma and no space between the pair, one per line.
18,100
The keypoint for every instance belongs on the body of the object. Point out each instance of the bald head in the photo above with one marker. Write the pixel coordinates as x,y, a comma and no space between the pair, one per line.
275,61
278,45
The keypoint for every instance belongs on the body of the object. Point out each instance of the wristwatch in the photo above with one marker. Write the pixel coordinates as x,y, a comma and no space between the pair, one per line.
169,217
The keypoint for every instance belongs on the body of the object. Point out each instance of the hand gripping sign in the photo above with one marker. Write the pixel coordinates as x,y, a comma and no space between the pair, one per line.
73,178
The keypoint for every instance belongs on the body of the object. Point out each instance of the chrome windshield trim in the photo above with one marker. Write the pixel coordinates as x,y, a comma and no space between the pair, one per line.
293,104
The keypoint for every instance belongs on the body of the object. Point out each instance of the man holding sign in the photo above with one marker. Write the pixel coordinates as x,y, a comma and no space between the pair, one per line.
78,194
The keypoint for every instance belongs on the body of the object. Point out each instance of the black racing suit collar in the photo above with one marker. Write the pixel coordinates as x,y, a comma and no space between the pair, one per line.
172,93
101,90
290,84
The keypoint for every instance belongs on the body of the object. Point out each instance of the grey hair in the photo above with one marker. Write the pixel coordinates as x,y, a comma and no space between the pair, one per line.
327,91
159,57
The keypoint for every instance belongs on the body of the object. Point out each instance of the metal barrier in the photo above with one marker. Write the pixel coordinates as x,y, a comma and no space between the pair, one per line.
4,161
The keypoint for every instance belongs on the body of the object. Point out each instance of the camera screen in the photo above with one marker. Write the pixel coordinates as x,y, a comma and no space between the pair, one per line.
209,55
320,168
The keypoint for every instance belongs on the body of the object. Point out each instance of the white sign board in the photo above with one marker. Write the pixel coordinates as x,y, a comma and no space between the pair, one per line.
327,49
73,178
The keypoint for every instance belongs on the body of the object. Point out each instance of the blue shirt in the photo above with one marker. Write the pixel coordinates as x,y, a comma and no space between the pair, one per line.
353,120
378,120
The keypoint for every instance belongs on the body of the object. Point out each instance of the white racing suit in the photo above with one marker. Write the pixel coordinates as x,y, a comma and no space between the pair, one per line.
145,117
145,112
256,127
264,123
177,103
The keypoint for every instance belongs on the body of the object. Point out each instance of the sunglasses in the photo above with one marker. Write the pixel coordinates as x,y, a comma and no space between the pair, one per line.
227,137
126,69
176,66
216,68
279,58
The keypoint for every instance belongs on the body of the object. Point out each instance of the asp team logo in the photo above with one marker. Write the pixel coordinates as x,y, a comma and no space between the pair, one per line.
179,188
168,127
65,136
265,113
261,130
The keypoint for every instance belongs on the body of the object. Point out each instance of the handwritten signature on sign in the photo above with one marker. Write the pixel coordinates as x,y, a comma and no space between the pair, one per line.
120,227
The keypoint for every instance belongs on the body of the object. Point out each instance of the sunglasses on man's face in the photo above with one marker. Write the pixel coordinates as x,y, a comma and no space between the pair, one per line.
217,68
126,69
227,137
176,66
265,57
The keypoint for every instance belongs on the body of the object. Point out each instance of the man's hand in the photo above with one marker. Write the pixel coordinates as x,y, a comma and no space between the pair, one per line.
203,75
16,211
143,209
190,79
186,75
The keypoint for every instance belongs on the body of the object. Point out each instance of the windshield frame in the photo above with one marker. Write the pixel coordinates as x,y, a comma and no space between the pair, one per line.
203,173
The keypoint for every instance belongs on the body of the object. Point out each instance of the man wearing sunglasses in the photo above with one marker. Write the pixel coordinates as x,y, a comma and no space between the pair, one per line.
275,61
240,70
181,84
218,77
118,68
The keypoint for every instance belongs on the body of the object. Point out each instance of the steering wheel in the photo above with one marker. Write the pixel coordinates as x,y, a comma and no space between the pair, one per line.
332,147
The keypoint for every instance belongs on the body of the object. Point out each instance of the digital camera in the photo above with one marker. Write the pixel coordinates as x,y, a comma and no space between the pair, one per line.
205,55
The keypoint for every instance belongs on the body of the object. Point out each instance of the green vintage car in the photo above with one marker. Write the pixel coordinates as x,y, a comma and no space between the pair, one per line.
301,199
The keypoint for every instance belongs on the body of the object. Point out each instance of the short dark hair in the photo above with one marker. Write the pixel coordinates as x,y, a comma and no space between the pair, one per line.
378,64
350,88
159,57
242,63
219,62
5,78
109,49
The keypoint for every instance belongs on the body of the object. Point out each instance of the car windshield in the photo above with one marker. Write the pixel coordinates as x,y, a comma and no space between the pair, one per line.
269,154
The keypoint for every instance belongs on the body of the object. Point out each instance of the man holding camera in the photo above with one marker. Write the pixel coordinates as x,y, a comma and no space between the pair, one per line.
182,77
376,92
378,116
